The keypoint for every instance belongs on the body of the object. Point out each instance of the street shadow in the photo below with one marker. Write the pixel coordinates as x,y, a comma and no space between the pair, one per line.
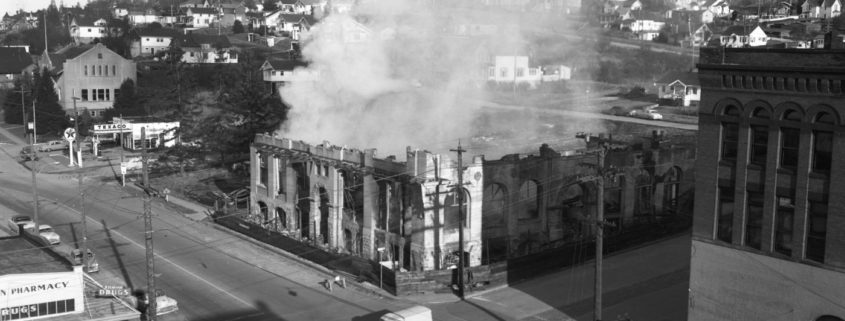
73,235
482,309
117,256
260,313
373,316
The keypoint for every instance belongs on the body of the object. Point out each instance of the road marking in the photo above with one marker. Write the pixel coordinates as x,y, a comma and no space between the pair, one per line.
186,271
169,261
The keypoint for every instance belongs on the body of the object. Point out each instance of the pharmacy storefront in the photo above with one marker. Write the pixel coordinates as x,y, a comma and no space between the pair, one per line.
158,134
32,296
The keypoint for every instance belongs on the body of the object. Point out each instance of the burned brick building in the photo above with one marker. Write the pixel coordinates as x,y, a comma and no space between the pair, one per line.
350,201
534,202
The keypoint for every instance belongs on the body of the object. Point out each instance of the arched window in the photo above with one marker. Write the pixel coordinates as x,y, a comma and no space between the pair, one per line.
790,139
730,134
759,138
823,144
643,199
529,199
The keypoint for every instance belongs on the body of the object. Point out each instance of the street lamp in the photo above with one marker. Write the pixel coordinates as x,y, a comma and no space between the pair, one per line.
380,268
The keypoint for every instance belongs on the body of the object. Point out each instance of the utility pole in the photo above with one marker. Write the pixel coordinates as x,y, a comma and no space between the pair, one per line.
81,191
23,104
599,177
122,168
460,193
148,233
32,169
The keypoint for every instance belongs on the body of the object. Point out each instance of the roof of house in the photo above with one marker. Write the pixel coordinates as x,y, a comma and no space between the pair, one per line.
289,1
155,32
86,20
197,40
13,60
203,10
283,64
686,77
58,58
738,30
299,17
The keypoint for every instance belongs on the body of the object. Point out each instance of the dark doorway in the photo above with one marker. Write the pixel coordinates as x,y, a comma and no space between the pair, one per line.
324,215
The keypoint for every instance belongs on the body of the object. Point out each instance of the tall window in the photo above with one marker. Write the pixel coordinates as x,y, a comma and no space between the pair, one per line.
100,70
503,72
263,169
822,150
643,200
529,199
101,94
84,95
754,220
816,231
86,69
730,134
783,224
280,179
759,144
520,72
789,141
113,70
671,182
724,230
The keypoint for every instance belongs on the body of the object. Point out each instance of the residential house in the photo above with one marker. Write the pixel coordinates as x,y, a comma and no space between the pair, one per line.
231,14
85,30
738,37
200,49
294,7
120,11
196,4
644,26
278,72
680,87
94,76
14,63
556,73
143,16
719,8
702,36
832,8
148,41
514,69
292,24
201,17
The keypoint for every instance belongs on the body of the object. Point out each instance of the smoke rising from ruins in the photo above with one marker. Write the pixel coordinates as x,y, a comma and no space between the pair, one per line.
401,80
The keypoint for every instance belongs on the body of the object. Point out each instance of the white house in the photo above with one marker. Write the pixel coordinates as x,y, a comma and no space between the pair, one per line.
644,29
202,17
719,8
145,16
294,7
832,8
514,69
204,49
279,72
84,31
682,87
94,76
149,41
735,37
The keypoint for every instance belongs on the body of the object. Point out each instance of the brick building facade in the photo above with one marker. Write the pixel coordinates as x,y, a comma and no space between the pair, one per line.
768,242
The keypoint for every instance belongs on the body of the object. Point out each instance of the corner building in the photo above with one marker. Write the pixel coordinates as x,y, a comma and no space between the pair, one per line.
768,237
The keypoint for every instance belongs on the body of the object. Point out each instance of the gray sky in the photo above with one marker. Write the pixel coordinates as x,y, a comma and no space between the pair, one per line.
11,6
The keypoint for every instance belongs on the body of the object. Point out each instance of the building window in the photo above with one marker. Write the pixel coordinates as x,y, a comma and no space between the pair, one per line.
730,139
789,141
724,231
86,69
754,220
84,95
759,144
529,198
101,94
503,72
113,70
281,168
643,195
822,151
262,159
671,190
816,231
532,71
93,113
99,55
100,70
108,94
783,224
520,72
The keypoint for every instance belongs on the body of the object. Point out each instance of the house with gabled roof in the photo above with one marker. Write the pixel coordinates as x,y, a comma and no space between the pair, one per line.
149,41
196,4
202,17
84,30
93,75
681,87
832,8
719,8
139,16
229,14
280,72
294,7
14,63
202,49
294,24
739,37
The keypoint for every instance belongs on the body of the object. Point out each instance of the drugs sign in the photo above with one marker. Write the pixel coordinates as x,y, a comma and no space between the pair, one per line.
112,290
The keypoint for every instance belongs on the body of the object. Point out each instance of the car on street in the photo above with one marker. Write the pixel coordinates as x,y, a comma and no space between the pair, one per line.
164,304
52,145
46,231
29,153
617,111
646,114
18,220
93,265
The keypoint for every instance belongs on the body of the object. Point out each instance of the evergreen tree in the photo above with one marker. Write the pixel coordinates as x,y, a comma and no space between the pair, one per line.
50,117
126,103
270,5
238,27
12,104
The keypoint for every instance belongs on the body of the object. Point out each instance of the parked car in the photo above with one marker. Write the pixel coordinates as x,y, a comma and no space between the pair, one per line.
29,153
415,313
52,145
617,111
18,220
46,231
164,304
646,114
93,265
